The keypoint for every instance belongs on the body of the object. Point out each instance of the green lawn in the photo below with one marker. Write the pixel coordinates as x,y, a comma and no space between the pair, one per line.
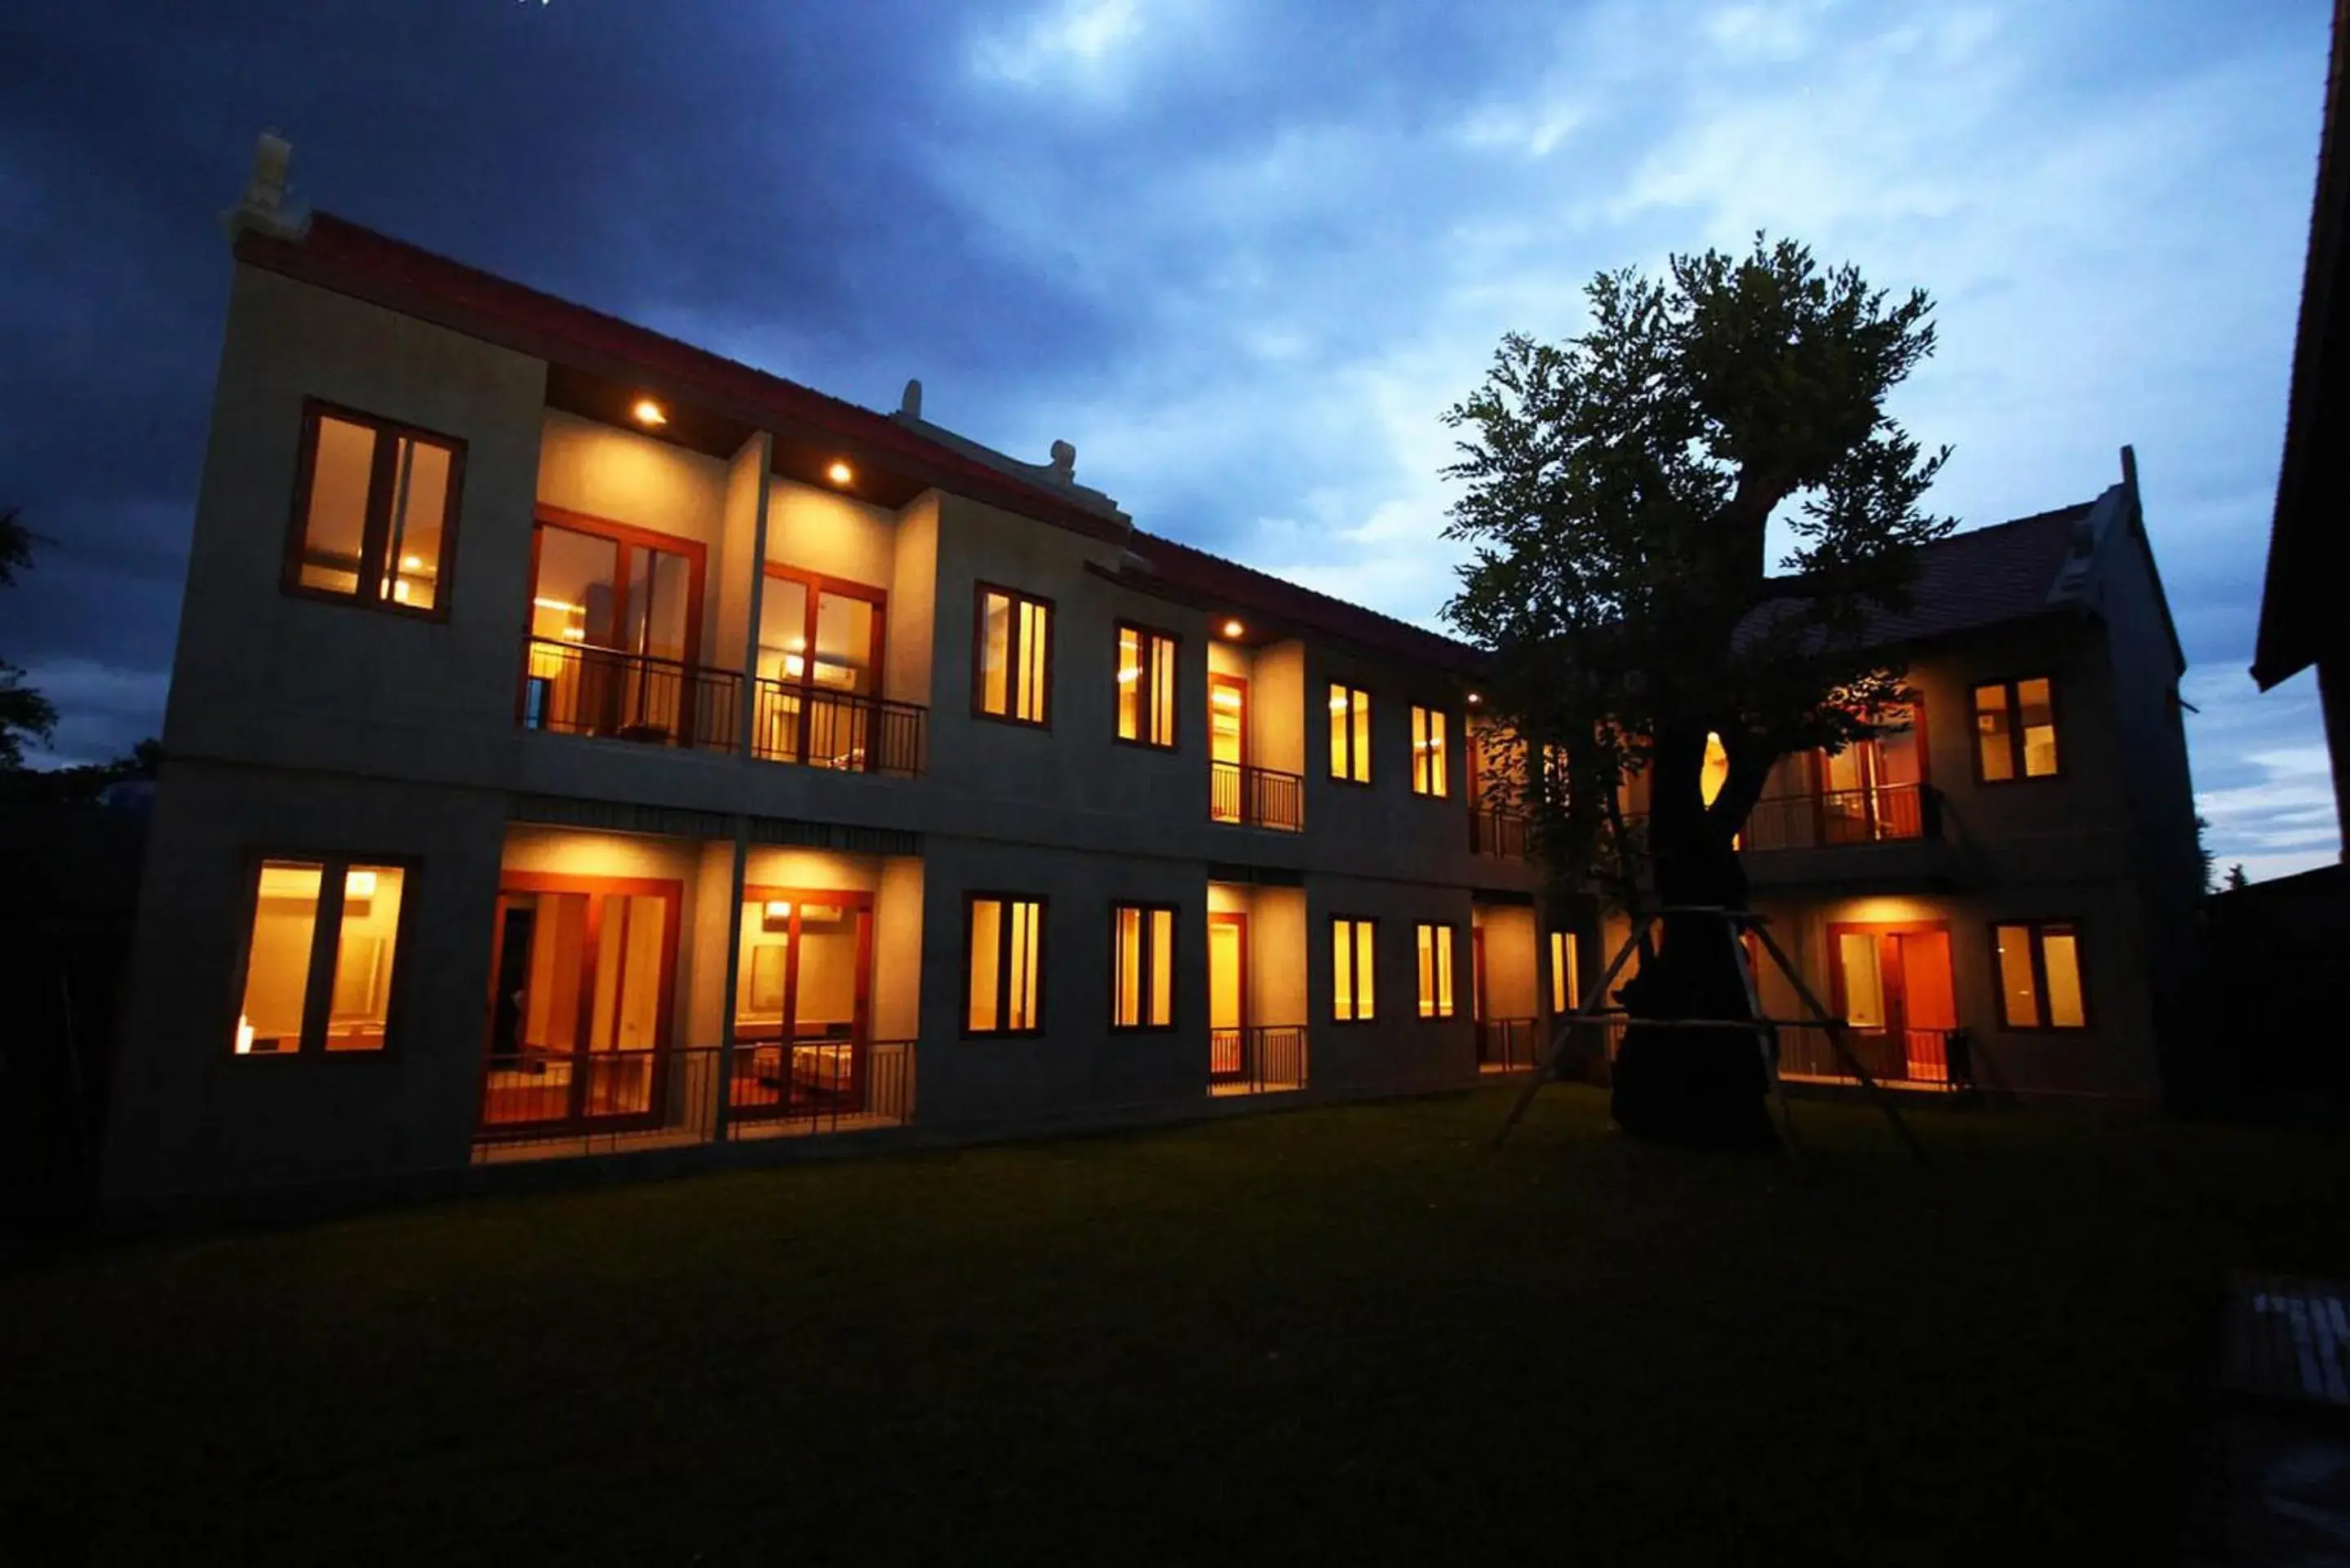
1328,1336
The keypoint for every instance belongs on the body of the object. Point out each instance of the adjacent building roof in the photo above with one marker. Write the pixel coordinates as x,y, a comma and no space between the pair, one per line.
2300,605
2009,571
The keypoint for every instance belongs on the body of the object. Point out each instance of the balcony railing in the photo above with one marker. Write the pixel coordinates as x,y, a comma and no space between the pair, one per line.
1253,1060
540,1106
1921,1058
1258,797
575,688
1508,1045
1878,815
793,723
1495,832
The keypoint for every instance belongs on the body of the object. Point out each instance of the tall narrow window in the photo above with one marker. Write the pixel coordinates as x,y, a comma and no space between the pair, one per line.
318,957
1435,943
1566,984
2015,730
1350,734
1427,751
1011,673
1352,975
2039,975
1146,687
1142,966
375,513
1003,964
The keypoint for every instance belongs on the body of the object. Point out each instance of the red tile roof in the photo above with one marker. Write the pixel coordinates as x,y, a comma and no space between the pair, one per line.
349,259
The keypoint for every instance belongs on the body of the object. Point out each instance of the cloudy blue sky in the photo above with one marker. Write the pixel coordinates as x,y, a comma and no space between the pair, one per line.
1242,255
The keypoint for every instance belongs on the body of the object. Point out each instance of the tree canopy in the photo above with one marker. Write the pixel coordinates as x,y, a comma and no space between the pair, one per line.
24,713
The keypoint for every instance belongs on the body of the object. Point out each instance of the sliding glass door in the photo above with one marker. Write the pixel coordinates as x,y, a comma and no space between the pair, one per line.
802,1002
615,628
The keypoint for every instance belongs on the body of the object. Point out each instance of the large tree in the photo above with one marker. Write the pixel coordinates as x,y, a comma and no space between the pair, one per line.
24,713
1616,494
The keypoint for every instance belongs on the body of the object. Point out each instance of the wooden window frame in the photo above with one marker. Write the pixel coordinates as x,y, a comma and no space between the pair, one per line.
1355,694
375,530
1174,960
1149,634
1425,1007
1355,989
318,985
627,538
1017,597
2015,730
818,585
971,901
2034,930
1421,715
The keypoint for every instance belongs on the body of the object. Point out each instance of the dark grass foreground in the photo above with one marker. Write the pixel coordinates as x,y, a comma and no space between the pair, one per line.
1339,1335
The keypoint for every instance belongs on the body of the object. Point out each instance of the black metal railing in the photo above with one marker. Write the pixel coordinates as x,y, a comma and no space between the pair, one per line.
795,723
1257,797
1508,1045
1255,1059
538,1104
819,1085
1495,832
576,689
1877,814
1934,1058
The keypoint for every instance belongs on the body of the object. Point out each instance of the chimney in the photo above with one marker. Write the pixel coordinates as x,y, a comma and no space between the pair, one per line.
268,205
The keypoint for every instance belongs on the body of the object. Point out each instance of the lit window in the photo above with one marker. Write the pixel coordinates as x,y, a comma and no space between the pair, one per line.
1714,771
307,913
1435,944
1427,751
2039,975
2015,730
1146,687
1353,977
1350,734
376,517
1142,966
1004,965
1016,657
1566,984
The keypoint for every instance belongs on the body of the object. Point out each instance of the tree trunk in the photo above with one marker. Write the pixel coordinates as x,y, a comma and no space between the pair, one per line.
1697,1087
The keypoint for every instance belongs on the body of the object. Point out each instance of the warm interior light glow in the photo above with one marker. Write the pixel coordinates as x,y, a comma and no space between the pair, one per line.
1129,676
779,909
1234,629
359,885
649,412
411,563
244,1035
841,473
566,606
1223,698
1338,703
575,634
1474,698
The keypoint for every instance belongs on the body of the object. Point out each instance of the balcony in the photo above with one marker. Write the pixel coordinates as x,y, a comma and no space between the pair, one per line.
1881,813
575,688
817,727
1495,832
1256,797
1902,1058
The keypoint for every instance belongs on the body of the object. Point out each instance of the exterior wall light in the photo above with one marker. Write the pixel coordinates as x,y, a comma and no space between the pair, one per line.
1234,629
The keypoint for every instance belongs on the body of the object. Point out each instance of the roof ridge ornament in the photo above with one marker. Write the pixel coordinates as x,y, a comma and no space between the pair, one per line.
269,205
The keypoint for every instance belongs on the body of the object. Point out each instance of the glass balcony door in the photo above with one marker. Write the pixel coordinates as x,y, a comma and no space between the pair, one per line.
585,974
1893,985
803,1002
1227,729
616,627
819,667
1227,995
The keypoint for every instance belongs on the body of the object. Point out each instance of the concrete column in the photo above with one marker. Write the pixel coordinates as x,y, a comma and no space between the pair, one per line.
743,560
733,979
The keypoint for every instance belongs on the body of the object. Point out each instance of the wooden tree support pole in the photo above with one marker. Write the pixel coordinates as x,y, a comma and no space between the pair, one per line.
1589,1011
1834,1027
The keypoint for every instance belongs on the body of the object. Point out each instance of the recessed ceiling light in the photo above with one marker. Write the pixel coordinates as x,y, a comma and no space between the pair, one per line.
649,412
1474,698
1234,629
841,473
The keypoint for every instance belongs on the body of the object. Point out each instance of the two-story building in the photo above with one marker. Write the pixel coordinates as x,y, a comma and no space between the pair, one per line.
2000,890
580,744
